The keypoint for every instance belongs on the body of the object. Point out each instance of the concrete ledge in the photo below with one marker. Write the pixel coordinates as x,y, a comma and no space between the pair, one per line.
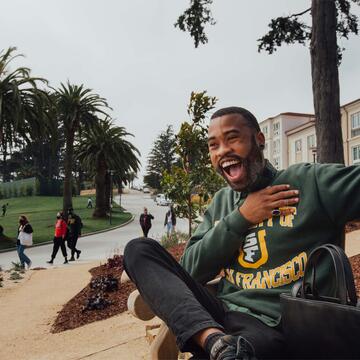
87,234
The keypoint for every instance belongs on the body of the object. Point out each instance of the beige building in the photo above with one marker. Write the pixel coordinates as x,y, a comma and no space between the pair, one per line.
350,123
302,143
275,130
301,140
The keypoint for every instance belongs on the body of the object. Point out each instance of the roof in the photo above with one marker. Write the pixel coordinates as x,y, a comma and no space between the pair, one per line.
289,114
350,103
304,126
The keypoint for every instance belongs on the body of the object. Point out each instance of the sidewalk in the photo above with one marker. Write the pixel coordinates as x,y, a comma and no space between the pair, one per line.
29,309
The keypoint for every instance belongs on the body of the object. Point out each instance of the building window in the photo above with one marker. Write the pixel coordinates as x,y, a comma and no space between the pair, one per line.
298,151
276,128
355,124
276,163
311,142
298,145
276,147
265,130
356,154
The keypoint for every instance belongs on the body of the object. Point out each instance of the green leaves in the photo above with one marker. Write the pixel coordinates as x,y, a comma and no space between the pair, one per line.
194,19
194,174
286,30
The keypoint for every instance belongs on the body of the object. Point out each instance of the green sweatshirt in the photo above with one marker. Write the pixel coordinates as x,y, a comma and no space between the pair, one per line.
262,261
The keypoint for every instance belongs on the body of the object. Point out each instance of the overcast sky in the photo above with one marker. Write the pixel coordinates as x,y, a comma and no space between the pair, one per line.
129,52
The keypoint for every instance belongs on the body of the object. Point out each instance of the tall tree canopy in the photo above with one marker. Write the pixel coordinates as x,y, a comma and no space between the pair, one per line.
104,147
22,107
330,18
161,158
77,108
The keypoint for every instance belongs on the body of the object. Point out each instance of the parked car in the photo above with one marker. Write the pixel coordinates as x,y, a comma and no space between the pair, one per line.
162,200
146,190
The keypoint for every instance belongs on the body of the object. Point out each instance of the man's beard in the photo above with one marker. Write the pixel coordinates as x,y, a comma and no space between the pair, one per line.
253,165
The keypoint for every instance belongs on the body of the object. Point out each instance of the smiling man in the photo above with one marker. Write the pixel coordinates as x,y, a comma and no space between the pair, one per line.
257,233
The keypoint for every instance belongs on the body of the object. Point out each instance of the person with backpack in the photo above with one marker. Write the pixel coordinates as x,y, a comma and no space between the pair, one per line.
59,238
74,227
24,239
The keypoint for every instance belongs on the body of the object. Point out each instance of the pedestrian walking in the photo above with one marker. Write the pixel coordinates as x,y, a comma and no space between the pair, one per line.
170,221
74,227
89,203
145,221
4,208
59,238
24,239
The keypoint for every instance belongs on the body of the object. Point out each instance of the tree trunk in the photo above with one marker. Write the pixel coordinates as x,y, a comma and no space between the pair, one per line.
107,190
325,82
101,203
80,179
68,166
190,213
6,176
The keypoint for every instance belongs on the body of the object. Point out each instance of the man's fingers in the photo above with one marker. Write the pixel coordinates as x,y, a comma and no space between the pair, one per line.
276,188
285,194
285,202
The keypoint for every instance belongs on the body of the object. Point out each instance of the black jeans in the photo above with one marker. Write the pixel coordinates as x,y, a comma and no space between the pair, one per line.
186,306
59,242
72,241
145,230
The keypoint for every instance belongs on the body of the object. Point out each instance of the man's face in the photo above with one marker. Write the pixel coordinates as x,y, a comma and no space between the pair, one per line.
234,150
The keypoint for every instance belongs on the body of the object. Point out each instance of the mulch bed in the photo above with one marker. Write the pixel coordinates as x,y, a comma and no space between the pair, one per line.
74,314
352,226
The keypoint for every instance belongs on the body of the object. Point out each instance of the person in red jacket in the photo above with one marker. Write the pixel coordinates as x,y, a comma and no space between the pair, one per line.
59,238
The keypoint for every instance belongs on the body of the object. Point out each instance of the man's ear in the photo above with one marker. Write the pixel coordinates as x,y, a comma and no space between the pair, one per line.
260,140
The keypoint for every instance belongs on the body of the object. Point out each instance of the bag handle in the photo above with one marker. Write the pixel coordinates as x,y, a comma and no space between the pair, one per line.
349,277
344,280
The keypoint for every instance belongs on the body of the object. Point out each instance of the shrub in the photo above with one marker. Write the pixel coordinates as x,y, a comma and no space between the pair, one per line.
175,238
29,190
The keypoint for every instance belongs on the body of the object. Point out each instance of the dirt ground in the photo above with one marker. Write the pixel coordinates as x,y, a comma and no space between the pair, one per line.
29,308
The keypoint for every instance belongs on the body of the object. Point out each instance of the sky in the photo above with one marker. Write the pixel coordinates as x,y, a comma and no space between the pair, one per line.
129,52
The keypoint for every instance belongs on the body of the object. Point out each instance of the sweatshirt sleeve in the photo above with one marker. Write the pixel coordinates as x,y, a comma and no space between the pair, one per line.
214,245
339,191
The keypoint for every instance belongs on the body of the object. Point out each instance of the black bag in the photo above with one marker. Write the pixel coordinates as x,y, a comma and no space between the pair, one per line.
323,327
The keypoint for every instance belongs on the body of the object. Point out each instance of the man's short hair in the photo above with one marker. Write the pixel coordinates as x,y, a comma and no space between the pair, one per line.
246,114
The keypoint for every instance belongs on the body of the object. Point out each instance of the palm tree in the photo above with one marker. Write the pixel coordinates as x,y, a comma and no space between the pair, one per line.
104,147
21,105
77,108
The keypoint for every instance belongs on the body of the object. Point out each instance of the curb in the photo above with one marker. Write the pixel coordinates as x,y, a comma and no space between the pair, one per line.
87,234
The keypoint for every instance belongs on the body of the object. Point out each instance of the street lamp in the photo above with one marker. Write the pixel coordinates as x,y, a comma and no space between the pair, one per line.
111,172
314,151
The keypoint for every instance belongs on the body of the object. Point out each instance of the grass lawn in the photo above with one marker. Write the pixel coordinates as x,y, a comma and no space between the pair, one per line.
41,212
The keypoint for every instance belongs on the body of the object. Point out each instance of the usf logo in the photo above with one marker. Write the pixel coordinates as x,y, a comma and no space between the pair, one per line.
254,252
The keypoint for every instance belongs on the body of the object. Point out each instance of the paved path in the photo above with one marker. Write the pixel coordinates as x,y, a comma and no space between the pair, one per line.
103,245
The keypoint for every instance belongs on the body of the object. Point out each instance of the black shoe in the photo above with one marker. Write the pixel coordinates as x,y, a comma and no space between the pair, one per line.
78,253
231,347
66,262
50,261
72,259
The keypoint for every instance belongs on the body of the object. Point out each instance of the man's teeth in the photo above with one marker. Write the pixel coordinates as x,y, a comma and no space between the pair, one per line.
228,163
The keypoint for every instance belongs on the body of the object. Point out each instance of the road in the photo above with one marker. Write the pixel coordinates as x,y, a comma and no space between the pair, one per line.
104,245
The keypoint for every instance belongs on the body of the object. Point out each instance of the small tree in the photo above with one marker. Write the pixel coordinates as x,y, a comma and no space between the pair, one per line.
194,174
